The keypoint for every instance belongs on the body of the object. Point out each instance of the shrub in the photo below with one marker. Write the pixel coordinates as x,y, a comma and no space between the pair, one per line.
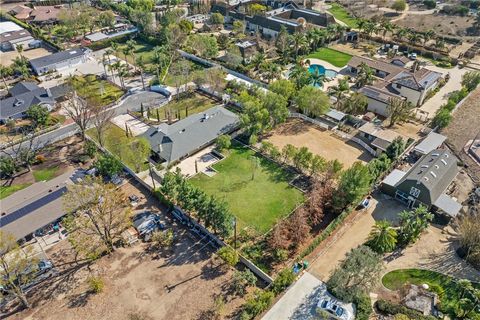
283,280
229,255
364,307
90,148
389,308
280,255
224,142
430,4
40,158
95,284
442,118
258,302
242,280
163,238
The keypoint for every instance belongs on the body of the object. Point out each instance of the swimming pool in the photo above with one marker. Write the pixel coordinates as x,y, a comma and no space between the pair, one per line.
321,69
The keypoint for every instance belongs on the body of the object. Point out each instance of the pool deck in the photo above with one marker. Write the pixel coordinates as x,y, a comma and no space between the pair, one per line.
324,63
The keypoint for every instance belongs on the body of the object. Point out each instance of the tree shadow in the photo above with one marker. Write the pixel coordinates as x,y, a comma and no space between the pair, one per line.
80,300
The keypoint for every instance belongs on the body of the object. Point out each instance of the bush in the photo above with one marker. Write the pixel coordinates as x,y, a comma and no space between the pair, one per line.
389,308
95,284
242,280
364,307
258,302
280,255
224,142
442,118
162,238
90,148
229,255
283,280
40,158
430,4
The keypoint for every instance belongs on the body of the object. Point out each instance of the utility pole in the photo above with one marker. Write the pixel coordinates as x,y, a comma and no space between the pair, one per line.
235,233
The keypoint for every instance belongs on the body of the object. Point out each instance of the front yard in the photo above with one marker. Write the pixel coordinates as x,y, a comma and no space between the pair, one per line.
337,58
256,190
95,90
186,105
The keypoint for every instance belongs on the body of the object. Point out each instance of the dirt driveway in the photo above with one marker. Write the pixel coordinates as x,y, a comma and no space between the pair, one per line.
354,234
324,143
178,283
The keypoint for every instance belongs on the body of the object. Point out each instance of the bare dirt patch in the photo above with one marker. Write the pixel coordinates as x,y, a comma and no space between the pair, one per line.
464,126
6,58
324,143
442,24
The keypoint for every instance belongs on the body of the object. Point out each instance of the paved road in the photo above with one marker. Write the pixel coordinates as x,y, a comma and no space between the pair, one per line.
131,103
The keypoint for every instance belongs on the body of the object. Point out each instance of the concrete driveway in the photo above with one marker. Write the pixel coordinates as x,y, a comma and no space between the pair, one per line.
354,234
136,126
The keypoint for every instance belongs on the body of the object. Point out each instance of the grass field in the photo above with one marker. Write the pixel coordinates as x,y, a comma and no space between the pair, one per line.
45,174
142,49
446,287
340,13
96,91
258,195
118,144
337,58
5,191
195,103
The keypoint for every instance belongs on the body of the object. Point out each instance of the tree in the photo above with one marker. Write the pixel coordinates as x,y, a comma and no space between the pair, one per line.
162,239
18,267
98,213
108,166
355,104
412,224
365,75
106,19
302,159
139,152
471,80
38,114
186,26
300,75
298,227
143,5
101,121
217,19
202,45
398,110
378,166
4,73
90,148
339,91
288,153
242,280
7,167
317,165
467,227
442,118
229,255
238,27
283,87
399,5
354,183
276,106
224,142
382,238
79,111
282,43
358,274
312,101
395,149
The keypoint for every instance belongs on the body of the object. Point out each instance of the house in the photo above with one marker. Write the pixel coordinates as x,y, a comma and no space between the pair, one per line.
174,142
333,118
8,26
26,94
12,40
40,15
378,137
60,60
394,82
426,183
247,49
400,61
36,206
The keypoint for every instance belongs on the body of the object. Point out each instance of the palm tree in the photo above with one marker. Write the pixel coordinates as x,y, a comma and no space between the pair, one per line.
19,48
316,78
158,60
361,25
402,33
258,59
382,238
20,65
428,35
365,75
131,49
141,65
299,42
414,37
440,44
114,47
5,72
339,90
387,26
270,70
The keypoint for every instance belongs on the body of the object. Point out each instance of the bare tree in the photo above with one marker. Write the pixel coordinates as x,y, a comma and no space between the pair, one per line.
98,214
80,112
22,150
17,267
101,119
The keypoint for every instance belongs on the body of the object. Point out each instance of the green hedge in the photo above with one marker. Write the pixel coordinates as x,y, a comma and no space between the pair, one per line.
102,44
387,307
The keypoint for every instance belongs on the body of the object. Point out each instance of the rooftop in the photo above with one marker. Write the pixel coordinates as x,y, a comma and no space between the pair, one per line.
8,26
430,143
13,35
386,67
379,131
57,57
379,93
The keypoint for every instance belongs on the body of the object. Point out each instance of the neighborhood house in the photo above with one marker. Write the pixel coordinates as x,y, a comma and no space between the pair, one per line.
60,61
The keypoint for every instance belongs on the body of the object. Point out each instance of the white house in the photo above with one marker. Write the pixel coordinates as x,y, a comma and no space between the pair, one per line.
60,61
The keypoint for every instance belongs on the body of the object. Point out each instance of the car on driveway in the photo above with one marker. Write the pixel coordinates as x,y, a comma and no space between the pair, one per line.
334,309
146,223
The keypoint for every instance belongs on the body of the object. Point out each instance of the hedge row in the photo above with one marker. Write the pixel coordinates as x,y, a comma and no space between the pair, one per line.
387,307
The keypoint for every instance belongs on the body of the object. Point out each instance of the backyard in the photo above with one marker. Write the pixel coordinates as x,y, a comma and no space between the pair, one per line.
340,13
116,141
142,49
95,90
446,287
186,105
337,58
256,190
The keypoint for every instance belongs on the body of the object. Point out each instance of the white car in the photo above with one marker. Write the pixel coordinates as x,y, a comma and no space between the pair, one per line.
334,309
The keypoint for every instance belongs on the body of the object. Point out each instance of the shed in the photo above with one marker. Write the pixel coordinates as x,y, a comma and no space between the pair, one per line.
431,142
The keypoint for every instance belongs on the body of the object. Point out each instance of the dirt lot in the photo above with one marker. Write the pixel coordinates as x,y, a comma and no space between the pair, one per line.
464,127
178,283
6,58
442,24
324,143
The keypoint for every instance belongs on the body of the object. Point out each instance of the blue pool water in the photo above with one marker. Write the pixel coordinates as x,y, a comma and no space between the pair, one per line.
321,69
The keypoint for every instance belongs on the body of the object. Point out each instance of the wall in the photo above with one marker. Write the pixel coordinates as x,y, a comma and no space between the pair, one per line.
412,96
377,107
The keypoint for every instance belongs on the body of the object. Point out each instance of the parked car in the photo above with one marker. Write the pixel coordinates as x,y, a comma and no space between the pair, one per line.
133,200
146,223
333,308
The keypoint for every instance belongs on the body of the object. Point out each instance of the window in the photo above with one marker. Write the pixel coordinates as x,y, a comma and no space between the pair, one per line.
414,192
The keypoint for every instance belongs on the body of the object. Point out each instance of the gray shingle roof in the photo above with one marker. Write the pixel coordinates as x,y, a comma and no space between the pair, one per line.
57,57
23,96
172,142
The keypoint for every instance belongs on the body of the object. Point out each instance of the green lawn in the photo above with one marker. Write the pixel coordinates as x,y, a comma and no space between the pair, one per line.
45,174
118,144
195,103
5,191
337,58
445,286
142,49
257,202
96,91
340,13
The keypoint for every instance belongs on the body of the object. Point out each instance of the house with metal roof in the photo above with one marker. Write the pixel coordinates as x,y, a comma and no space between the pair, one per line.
431,142
170,143
426,183
60,61
378,137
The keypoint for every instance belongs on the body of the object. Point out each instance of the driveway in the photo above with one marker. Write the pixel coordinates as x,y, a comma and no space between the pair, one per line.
354,234
136,126
455,83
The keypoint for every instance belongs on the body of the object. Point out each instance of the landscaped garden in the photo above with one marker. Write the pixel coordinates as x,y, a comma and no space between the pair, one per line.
340,13
95,90
337,58
256,190
186,105
448,289
116,141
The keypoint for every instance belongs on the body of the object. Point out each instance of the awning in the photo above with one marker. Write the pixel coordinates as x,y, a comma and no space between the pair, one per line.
430,143
381,143
448,205
394,177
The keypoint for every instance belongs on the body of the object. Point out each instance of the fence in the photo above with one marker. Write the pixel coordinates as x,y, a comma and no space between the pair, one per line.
312,121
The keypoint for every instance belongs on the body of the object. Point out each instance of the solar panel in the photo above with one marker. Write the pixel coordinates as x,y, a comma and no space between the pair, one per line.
31,207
